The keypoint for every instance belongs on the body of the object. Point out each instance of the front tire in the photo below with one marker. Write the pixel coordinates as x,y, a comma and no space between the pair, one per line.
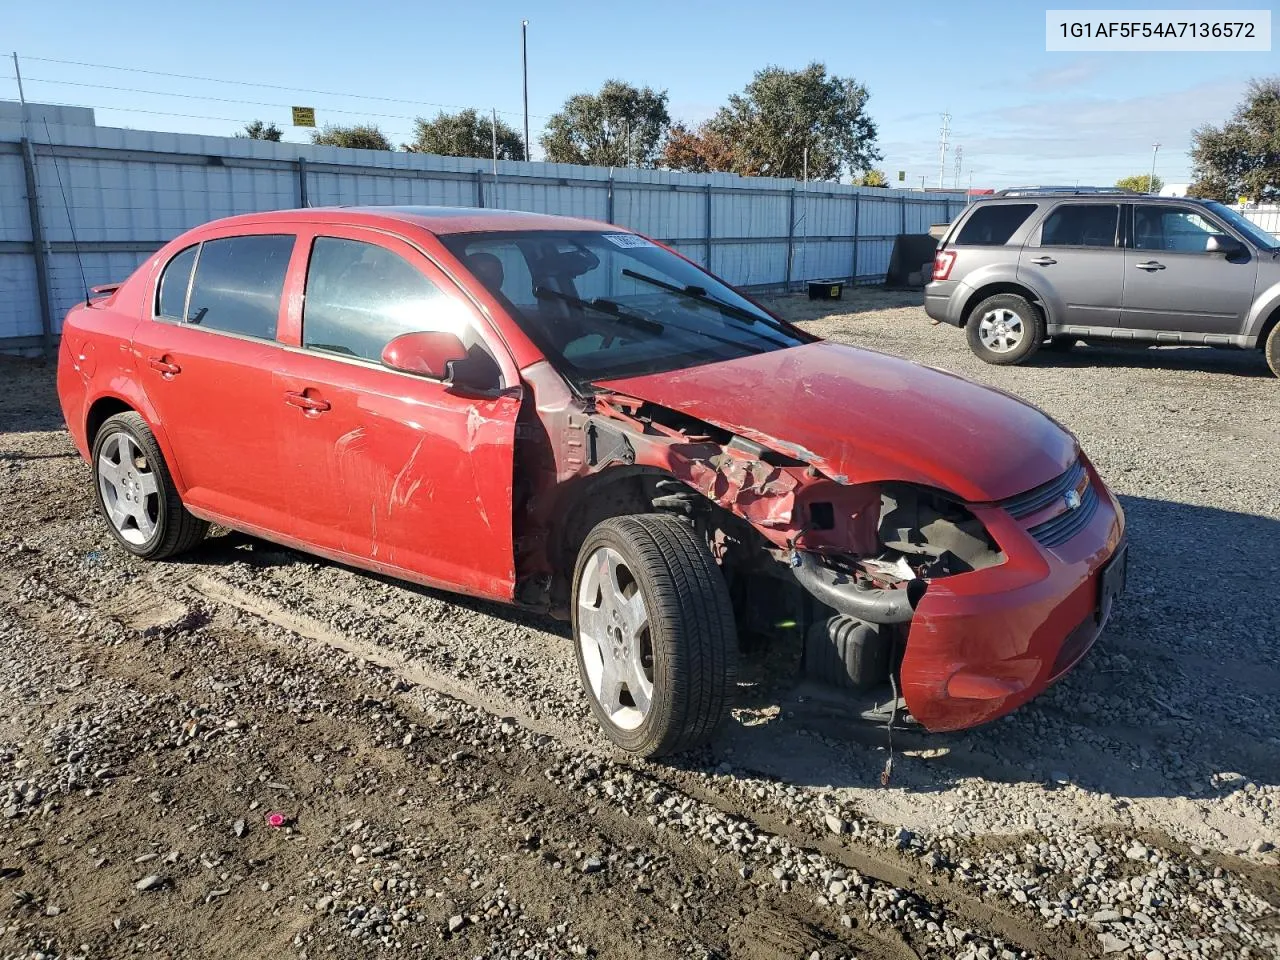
1005,329
654,634
1271,350
135,493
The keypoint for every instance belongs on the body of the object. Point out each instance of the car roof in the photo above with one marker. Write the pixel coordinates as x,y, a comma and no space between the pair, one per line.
437,220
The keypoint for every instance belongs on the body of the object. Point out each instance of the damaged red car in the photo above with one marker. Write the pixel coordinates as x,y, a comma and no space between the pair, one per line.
570,417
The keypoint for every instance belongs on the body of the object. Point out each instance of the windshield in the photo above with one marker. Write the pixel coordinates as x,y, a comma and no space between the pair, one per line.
604,305
1246,226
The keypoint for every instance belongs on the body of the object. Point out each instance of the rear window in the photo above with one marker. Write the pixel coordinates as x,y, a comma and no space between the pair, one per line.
1081,225
994,225
238,284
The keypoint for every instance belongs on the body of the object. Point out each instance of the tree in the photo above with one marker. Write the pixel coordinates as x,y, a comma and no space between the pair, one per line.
621,126
1141,183
781,112
257,130
871,178
1241,157
361,136
699,150
465,134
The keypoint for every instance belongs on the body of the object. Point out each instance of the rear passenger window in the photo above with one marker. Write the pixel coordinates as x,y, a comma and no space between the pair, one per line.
174,282
238,284
1081,225
994,225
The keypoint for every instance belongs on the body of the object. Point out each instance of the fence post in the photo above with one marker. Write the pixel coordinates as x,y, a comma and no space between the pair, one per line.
302,182
38,248
791,234
479,188
709,231
608,203
857,209
902,208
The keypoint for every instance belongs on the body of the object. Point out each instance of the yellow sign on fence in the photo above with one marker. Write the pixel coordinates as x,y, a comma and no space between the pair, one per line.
304,116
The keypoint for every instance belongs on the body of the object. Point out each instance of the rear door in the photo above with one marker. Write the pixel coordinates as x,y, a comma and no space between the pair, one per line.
206,358
1073,258
394,471
1172,283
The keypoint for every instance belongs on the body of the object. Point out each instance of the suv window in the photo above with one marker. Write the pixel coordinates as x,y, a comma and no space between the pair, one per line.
1081,225
171,299
1162,227
994,224
238,284
360,296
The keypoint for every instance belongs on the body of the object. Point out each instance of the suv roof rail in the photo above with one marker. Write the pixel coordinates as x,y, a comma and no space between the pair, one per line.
1069,191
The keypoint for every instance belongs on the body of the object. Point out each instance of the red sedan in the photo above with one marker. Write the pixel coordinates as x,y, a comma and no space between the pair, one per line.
568,416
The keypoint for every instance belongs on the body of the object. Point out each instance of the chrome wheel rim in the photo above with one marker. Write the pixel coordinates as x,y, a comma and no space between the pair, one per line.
129,488
1001,330
613,633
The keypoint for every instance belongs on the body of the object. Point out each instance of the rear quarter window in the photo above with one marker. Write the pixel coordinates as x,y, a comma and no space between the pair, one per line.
994,225
171,299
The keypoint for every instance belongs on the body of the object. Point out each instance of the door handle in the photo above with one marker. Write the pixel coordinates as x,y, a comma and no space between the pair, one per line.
309,404
1150,265
1044,261
166,367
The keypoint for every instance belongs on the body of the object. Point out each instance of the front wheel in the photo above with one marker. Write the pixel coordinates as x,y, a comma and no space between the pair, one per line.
654,633
1005,329
1271,349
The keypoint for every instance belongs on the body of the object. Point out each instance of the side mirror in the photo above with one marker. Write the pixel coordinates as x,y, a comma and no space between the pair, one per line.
1221,243
427,354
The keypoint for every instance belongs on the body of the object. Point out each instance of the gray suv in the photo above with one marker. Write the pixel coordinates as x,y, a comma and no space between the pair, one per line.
1053,266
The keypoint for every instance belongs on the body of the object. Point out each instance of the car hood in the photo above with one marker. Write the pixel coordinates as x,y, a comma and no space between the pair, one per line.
863,416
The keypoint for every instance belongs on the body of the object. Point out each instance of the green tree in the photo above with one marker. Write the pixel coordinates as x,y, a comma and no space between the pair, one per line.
781,112
257,130
465,134
697,150
1141,183
621,126
361,136
871,178
1241,157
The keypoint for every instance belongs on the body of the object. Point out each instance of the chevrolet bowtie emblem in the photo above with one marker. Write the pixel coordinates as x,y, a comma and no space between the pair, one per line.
1072,500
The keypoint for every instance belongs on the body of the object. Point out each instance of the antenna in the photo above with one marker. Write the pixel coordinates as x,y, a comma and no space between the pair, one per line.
75,245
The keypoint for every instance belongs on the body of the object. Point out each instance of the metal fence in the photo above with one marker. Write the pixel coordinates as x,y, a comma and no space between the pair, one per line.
1267,217
127,192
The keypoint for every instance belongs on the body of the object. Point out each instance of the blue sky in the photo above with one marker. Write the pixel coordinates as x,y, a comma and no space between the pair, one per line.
1020,114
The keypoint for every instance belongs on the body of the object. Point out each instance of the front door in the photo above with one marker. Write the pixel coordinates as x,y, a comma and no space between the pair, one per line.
389,470
1171,282
1074,261
206,357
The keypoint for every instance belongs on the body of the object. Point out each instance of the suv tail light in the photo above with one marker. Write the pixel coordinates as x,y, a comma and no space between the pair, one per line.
943,261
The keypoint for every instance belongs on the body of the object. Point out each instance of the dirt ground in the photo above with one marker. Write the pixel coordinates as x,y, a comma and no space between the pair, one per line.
248,752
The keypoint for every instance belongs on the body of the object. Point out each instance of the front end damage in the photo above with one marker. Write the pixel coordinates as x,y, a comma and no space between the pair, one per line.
918,605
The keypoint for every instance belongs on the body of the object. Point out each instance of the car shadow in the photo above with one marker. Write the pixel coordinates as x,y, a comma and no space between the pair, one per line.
1240,363
1177,699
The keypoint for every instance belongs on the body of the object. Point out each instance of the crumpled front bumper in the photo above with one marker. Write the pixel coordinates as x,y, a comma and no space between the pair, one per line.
982,644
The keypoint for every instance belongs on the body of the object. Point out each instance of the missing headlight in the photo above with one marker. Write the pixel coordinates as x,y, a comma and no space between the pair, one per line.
931,534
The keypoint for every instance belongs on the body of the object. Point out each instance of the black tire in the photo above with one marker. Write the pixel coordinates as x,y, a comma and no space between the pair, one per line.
176,530
1271,349
1032,329
1061,344
691,638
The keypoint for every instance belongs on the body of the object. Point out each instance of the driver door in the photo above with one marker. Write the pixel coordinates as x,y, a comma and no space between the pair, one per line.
389,470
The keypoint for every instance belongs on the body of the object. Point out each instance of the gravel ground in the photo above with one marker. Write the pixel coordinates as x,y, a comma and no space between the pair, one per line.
252,753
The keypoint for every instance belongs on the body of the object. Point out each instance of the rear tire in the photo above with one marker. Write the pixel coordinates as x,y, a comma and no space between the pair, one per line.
136,494
1004,329
1271,350
654,634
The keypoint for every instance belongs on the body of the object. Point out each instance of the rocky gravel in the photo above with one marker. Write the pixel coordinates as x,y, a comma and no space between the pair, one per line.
250,752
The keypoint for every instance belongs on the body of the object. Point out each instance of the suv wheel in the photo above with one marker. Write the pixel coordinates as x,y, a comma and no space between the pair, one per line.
1005,329
1271,350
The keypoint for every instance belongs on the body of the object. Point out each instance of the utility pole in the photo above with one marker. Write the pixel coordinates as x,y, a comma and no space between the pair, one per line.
524,67
945,132
959,158
493,128
1151,181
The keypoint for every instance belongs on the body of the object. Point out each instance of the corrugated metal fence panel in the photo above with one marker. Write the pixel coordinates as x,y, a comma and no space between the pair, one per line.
1267,217
133,190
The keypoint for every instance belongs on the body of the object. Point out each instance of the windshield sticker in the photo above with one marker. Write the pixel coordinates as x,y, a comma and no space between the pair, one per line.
627,240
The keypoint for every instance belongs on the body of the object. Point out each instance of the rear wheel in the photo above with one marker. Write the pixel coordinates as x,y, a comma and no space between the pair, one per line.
1005,329
1271,349
654,634
136,494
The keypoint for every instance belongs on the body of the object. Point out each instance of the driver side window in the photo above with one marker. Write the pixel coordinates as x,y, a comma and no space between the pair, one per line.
1174,229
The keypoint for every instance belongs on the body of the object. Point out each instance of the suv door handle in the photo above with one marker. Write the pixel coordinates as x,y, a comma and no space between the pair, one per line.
1150,265
1044,261
167,367
309,404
